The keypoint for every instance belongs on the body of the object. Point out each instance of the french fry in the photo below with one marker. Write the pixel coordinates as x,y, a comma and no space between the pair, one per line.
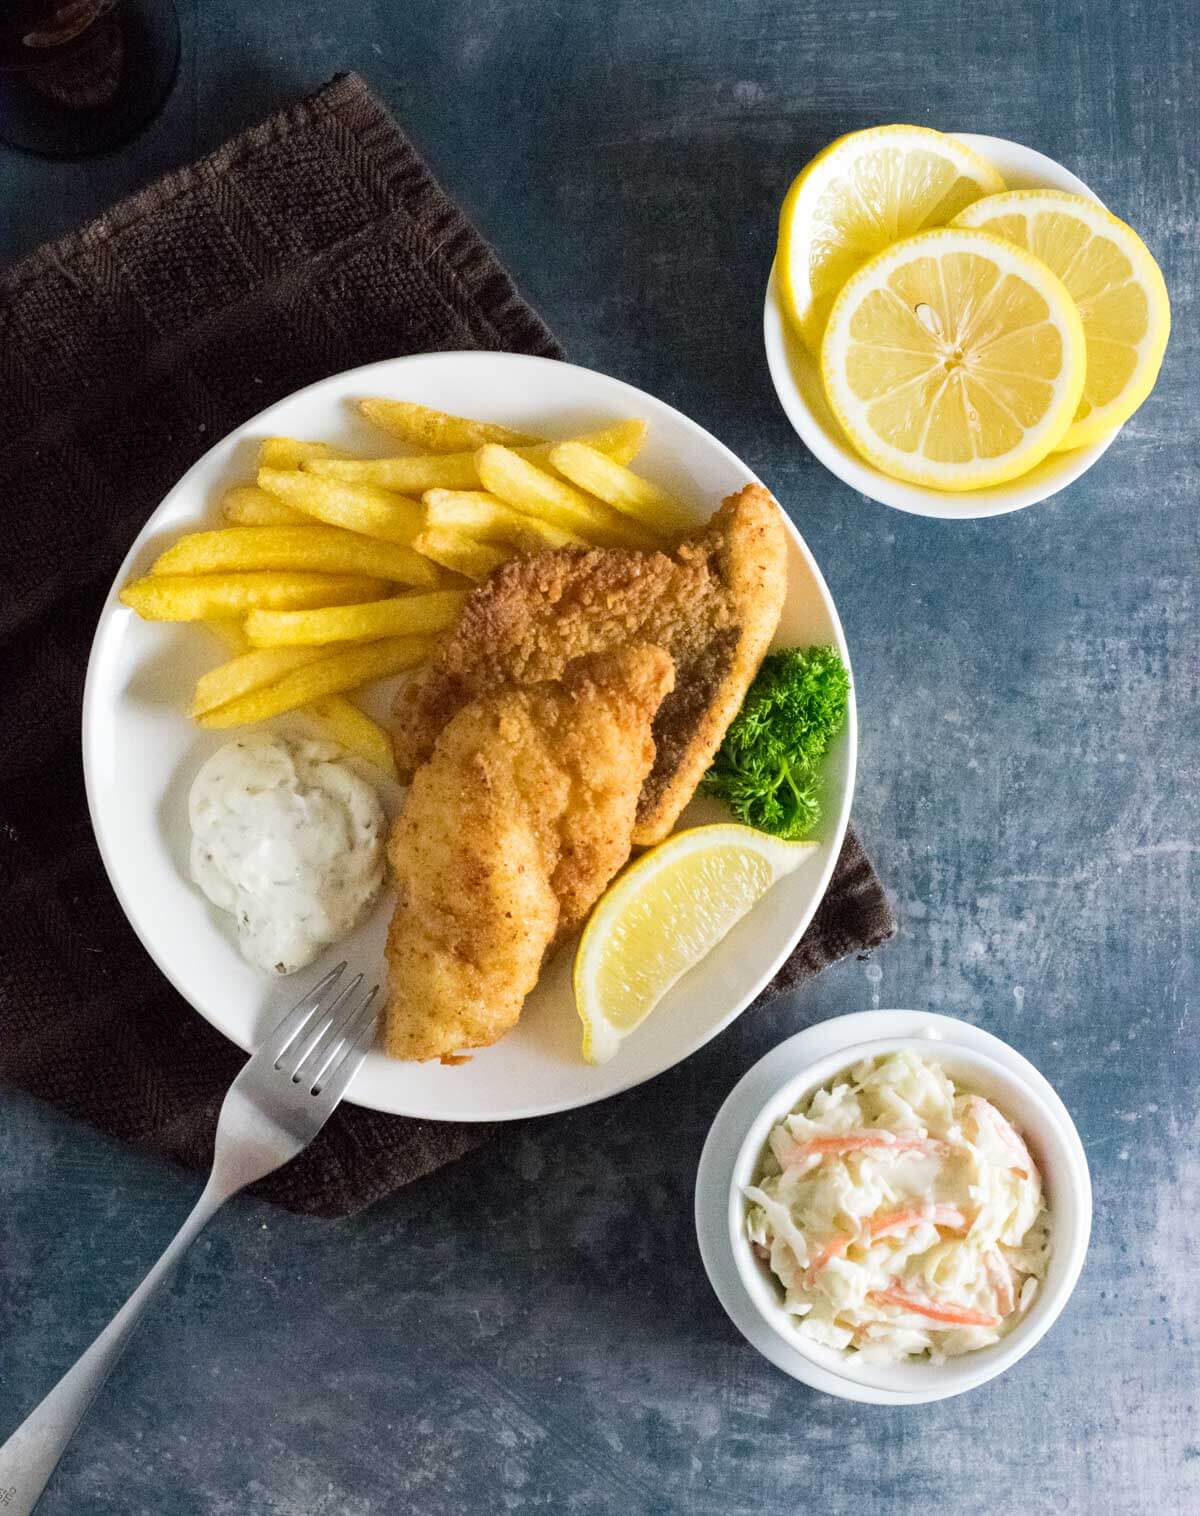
531,490
455,550
247,505
457,471
363,508
339,720
487,519
205,597
290,452
333,719
436,431
622,441
621,488
248,671
402,616
411,476
325,548
344,670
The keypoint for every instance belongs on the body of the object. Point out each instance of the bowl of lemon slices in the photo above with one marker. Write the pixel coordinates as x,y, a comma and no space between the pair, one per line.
956,325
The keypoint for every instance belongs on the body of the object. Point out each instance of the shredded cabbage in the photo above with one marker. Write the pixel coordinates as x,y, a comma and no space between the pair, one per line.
902,1216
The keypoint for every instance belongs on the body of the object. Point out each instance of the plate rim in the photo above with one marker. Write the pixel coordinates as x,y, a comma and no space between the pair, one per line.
93,713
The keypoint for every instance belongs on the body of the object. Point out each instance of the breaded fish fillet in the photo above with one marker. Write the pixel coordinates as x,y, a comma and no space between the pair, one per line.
713,604
509,834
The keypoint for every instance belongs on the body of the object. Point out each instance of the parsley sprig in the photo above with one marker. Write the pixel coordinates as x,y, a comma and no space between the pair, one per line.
767,768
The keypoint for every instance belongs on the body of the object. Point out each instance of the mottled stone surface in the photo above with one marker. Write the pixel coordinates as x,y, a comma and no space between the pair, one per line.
532,1331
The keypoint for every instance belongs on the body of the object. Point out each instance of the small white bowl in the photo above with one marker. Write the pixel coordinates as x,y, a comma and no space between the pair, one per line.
1055,1145
797,379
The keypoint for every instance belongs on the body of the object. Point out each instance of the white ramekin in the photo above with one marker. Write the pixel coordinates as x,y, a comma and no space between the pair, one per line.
1026,1098
796,376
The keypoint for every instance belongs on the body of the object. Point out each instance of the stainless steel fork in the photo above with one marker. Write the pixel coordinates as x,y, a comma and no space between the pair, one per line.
275,1107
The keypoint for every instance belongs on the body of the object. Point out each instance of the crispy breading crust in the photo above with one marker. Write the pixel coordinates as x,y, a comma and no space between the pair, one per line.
508,835
743,551
713,604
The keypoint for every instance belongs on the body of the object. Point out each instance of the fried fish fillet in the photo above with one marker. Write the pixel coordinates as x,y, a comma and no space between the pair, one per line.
509,833
713,604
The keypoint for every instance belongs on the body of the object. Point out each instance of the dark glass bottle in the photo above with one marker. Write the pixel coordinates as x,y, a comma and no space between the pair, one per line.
79,77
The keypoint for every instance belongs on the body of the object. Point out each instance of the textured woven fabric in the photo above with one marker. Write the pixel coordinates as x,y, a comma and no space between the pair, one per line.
313,243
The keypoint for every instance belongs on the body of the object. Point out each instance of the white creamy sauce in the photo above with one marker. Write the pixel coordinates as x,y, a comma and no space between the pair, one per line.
289,840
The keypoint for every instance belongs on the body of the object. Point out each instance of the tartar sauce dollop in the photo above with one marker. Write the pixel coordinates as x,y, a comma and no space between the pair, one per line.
289,840
901,1214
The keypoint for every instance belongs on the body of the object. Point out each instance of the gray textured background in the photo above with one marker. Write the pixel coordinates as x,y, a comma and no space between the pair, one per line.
532,1331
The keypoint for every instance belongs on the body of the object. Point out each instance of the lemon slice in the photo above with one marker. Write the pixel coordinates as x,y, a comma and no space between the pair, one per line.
862,193
1113,279
954,360
662,916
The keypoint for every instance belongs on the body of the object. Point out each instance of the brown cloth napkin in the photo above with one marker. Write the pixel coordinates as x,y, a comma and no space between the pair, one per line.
313,243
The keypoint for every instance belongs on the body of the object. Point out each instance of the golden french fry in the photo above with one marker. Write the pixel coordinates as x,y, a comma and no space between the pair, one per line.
457,471
488,519
402,616
621,488
412,476
205,597
455,550
437,431
290,452
622,441
247,505
334,719
531,490
363,508
339,720
328,549
344,670
248,671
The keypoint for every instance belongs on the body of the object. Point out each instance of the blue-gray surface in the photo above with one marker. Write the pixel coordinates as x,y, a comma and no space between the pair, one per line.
532,1330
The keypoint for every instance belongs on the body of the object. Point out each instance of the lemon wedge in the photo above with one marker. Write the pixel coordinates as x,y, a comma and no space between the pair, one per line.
1111,275
858,195
954,360
662,916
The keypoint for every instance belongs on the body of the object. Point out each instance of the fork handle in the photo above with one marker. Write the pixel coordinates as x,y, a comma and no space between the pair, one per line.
31,1454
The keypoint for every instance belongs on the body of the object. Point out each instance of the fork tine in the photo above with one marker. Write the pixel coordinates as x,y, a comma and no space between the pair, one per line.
332,1081
310,1054
362,1020
277,1042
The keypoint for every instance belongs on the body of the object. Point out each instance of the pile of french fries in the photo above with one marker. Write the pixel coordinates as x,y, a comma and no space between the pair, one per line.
329,573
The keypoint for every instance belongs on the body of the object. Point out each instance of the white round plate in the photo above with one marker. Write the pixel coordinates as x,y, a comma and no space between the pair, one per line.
141,752
797,379
733,1121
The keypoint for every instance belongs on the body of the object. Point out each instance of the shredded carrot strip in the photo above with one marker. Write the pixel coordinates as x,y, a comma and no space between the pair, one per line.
953,1315
857,1142
904,1221
830,1250
1008,1134
893,1224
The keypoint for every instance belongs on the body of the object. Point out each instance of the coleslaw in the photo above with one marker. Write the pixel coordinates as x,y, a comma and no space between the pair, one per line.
901,1214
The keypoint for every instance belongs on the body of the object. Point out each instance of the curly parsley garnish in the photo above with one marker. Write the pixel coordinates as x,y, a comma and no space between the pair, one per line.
767,766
